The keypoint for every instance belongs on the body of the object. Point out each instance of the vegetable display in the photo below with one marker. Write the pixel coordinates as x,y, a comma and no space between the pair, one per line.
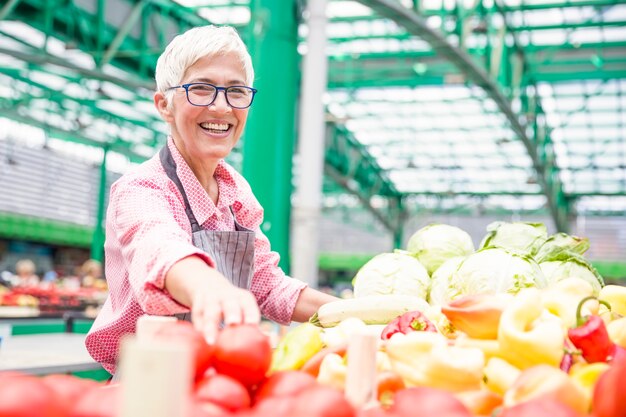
524,326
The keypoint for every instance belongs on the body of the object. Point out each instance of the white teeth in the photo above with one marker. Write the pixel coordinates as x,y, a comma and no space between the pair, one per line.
215,126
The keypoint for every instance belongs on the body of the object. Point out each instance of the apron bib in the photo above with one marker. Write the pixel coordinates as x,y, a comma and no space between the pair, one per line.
232,251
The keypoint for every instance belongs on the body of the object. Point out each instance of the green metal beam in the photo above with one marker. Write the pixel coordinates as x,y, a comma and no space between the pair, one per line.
417,26
97,243
46,59
269,141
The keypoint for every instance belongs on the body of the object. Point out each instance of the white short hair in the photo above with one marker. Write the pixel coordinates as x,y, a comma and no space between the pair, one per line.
196,43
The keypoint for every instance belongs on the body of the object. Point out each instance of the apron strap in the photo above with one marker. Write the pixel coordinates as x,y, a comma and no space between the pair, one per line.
170,170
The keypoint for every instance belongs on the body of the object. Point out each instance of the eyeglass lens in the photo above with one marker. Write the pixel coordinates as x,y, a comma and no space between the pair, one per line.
204,94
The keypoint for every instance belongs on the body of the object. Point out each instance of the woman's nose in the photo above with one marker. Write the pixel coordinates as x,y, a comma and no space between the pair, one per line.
220,104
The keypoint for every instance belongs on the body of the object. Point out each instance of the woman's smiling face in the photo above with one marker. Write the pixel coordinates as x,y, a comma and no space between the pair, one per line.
206,133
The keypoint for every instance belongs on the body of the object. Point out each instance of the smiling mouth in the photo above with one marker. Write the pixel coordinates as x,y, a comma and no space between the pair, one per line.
216,127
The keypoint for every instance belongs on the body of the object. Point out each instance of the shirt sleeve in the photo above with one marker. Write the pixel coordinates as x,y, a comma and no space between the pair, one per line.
153,233
275,292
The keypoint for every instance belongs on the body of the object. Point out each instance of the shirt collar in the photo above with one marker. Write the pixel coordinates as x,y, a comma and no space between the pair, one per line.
201,205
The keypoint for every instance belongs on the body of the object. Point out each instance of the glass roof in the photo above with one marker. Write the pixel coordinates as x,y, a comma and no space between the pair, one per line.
441,138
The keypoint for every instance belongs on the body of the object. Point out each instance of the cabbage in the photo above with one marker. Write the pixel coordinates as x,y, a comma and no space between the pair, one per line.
438,293
561,242
436,243
566,265
525,238
392,273
495,270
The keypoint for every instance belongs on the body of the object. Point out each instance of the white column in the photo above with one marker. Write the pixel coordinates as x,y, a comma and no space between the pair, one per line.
311,132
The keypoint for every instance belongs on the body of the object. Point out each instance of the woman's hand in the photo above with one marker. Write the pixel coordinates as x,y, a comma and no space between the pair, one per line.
227,303
210,296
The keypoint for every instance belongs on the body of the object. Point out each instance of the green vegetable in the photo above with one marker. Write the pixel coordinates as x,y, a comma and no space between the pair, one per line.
436,243
392,273
525,238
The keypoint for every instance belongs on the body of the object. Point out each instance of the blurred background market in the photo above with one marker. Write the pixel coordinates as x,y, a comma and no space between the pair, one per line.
378,117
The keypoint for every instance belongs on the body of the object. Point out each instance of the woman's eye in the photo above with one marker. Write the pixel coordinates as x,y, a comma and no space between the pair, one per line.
201,89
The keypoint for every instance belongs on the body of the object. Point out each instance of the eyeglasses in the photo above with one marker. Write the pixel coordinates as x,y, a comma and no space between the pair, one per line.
204,94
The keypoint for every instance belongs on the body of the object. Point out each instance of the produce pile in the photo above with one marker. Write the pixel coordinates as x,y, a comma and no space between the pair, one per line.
522,327
52,299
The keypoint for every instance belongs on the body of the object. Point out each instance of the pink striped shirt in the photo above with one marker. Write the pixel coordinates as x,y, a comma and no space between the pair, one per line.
147,231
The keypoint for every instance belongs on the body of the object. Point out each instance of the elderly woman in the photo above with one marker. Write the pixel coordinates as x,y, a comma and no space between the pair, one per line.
183,234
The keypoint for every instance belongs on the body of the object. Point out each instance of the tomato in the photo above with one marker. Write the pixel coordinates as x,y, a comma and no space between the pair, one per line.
185,332
275,407
224,391
427,402
28,396
540,407
243,352
374,412
101,401
322,401
608,393
388,383
68,388
284,383
207,409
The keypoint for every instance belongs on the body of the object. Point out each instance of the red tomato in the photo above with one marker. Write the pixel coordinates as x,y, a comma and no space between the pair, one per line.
206,409
275,407
374,412
68,388
540,407
388,383
322,401
224,391
427,402
243,352
102,401
185,332
608,393
28,396
284,383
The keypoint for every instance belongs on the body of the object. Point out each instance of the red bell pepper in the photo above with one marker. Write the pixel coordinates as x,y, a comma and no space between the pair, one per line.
590,335
408,322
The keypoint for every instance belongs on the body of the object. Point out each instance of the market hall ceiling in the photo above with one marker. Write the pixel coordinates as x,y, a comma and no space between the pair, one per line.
515,106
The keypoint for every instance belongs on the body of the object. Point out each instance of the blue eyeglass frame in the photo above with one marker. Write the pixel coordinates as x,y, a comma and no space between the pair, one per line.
217,91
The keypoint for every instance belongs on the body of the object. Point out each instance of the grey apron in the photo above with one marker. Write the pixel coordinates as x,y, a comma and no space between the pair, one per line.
232,251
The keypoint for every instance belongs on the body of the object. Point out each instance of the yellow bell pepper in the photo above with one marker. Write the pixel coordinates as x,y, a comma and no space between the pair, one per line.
333,371
617,331
500,375
586,375
615,295
528,334
490,348
543,381
562,299
297,347
426,359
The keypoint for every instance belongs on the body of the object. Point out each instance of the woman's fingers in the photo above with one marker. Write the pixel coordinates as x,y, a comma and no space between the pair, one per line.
210,321
232,309
230,305
250,308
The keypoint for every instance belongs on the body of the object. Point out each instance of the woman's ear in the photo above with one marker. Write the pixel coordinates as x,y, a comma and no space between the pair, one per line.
161,104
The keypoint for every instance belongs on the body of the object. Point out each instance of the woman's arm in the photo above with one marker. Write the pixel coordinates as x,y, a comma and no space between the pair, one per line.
308,303
210,296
